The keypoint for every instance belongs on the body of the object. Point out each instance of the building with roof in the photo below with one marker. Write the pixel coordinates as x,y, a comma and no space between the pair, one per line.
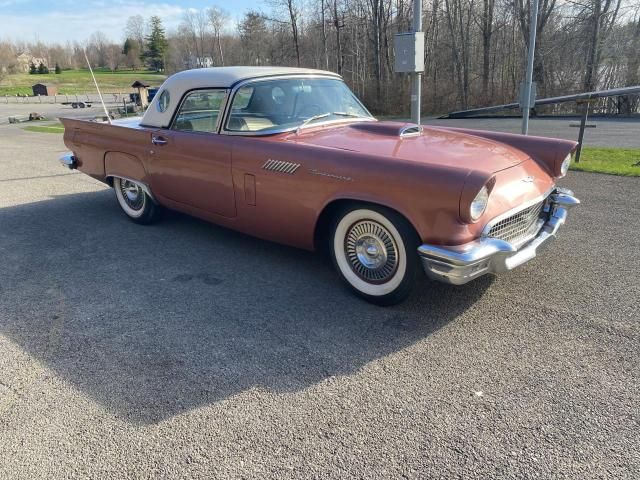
45,89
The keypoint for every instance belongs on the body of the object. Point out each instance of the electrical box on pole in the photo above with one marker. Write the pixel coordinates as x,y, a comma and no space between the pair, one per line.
408,49
409,52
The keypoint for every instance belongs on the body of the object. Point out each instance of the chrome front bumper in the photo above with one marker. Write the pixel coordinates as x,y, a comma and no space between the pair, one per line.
462,263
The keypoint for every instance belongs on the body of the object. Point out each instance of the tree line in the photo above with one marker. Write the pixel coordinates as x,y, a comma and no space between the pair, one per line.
475,50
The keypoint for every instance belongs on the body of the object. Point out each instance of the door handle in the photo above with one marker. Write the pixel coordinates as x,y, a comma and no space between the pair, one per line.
158,140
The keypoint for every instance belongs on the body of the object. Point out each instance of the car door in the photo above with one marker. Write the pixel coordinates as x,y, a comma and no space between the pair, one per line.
190,162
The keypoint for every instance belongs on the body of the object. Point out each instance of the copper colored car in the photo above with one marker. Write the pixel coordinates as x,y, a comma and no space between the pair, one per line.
291,155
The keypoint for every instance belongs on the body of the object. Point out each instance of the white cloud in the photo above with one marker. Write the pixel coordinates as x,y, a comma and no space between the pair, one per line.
79,22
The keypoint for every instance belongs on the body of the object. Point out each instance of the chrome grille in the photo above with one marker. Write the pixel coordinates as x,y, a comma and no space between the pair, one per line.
519,226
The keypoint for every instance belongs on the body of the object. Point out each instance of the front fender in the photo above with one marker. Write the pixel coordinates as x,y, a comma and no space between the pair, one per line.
547,152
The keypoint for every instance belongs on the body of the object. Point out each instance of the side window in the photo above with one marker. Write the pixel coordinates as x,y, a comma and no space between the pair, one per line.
200,111
242,98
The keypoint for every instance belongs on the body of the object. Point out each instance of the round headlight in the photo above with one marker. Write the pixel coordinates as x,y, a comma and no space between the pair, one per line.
479,204
564,168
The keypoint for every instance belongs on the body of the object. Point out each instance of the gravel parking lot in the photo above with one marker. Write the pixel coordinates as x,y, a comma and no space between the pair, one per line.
184,350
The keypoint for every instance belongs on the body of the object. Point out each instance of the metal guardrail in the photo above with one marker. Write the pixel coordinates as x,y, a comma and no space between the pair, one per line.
584,99
578,98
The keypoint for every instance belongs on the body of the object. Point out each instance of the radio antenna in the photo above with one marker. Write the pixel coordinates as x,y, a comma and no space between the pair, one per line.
106,112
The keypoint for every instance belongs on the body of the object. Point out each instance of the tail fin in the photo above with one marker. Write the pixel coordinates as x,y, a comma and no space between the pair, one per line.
106,112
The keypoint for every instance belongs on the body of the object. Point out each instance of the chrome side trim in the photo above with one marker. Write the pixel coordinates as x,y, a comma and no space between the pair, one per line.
281,167
69,160
145,188
460,264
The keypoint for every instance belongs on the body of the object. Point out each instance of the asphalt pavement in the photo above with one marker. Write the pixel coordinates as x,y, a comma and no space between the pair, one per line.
184,350
601,131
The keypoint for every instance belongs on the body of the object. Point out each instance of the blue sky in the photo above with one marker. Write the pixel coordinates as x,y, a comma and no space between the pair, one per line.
64,20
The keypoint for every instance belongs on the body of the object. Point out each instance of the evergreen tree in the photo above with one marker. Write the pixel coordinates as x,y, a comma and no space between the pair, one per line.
58,69
156,45
132,51
42,68
127,47
32,68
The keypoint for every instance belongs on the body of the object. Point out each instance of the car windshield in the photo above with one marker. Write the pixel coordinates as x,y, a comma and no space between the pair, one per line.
290,103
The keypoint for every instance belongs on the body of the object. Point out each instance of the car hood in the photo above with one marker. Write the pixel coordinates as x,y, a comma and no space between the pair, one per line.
433,145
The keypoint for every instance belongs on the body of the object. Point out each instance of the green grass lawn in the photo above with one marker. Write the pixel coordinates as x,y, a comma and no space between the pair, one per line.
615,161
78,81
45,128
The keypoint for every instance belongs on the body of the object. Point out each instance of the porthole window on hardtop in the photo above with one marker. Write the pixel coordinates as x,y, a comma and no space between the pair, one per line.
163,101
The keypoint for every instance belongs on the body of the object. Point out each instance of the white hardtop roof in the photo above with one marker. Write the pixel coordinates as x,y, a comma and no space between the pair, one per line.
224,77
215,77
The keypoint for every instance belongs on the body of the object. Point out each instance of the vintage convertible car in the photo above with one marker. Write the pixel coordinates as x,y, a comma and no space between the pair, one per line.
292,156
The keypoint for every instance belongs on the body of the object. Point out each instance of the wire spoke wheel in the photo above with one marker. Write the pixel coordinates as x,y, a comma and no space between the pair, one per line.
135,201
371,251
132,194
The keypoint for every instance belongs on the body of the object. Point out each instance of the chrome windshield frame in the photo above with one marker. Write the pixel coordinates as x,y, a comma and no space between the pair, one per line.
261,133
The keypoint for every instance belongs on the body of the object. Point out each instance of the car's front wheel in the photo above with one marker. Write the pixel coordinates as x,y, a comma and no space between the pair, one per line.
135,202
375,252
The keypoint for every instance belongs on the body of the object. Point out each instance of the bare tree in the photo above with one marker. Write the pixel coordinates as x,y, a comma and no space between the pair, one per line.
293,12
459,15
323,8
601,15
486,29
217,19
135,28
97,49
114,57
194,25
337,24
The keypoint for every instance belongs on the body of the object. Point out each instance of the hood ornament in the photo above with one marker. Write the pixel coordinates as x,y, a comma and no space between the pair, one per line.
528,179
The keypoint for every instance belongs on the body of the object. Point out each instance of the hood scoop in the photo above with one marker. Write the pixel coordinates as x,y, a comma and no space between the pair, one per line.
389,129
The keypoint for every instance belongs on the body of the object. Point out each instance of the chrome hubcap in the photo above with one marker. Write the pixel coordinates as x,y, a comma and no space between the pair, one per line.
132,194
371,251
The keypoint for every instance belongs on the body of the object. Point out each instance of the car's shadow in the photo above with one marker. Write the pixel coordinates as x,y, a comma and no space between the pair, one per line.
155,321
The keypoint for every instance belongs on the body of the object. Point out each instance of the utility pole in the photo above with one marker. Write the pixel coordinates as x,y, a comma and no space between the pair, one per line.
416,77
526,96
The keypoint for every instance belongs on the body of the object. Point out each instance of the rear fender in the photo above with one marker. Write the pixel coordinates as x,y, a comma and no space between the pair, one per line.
123,165
118,164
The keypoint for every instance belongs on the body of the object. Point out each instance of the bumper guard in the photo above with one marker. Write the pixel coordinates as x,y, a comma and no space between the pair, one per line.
460,264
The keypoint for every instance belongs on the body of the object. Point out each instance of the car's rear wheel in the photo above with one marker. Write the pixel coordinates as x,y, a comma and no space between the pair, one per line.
135,202
374,250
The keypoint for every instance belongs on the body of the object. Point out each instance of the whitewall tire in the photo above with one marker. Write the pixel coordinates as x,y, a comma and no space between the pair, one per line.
135,202
374,250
